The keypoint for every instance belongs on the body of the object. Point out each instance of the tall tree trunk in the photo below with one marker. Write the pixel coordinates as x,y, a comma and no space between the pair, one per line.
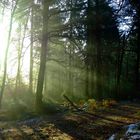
70,49
19,58
87,82
127,67
44,44
121,53
7,48
31,52
137,82
45,83
136,6
99,67
21,45
70,76
99,84
1,20
89,53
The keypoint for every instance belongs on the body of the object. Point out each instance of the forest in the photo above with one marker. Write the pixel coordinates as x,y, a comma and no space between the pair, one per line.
69,69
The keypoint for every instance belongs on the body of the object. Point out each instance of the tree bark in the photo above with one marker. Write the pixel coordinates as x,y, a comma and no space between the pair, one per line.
99,84
137,82
42,68
89,53
20,49
31,53
121,52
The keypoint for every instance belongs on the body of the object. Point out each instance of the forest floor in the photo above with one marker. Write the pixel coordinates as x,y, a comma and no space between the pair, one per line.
71,125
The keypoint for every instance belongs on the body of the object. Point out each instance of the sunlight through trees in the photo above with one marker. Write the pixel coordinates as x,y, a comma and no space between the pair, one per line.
81,48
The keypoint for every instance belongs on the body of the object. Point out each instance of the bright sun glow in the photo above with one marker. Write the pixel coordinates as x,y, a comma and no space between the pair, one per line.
3,38
12,66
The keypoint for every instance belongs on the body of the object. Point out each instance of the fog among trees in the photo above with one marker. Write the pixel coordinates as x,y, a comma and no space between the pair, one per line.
57,51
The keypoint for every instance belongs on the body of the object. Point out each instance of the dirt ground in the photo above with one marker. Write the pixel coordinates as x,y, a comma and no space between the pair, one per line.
72,125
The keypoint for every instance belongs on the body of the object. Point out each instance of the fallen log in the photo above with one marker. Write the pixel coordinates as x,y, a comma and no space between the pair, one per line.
89,114
72,104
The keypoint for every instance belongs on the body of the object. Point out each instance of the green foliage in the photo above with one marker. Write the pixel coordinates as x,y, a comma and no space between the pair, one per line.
137,114
92,104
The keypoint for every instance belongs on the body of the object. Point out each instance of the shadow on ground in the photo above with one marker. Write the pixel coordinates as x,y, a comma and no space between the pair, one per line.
98,125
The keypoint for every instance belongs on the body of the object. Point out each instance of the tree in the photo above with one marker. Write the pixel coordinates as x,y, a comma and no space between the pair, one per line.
136,5
20,48
100,33
13,8
31,50
43,54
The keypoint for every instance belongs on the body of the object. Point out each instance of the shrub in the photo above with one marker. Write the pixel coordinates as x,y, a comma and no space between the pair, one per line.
81,103
109,103
92,104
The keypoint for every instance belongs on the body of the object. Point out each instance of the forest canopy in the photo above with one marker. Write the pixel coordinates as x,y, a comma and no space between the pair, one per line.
85,49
